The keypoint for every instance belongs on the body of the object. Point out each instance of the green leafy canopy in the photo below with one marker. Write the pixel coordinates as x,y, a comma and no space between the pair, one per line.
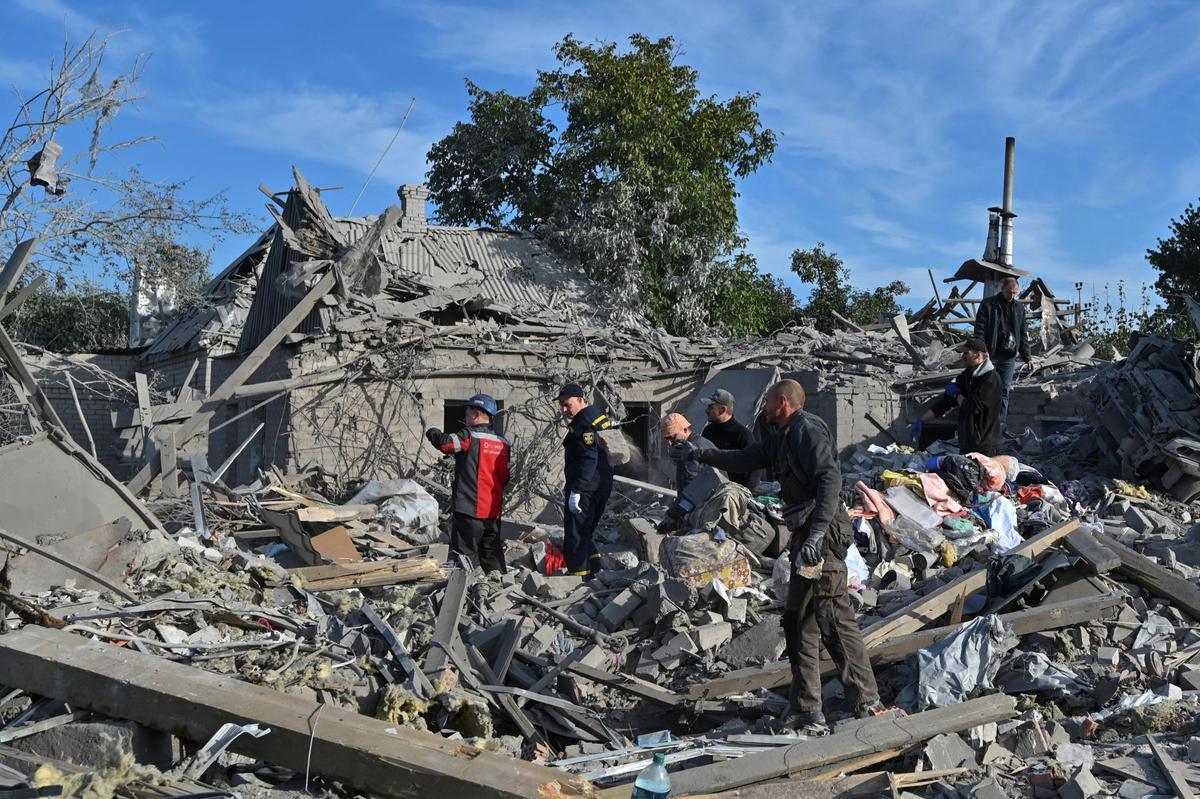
624,166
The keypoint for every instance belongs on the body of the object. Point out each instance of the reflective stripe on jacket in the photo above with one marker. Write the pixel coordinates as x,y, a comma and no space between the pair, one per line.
585,463
481,459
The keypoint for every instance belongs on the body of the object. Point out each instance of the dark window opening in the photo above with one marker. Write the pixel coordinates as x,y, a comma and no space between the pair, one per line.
640,427
453,411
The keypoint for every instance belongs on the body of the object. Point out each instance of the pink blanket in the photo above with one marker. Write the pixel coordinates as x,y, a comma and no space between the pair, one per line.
874,506
937,494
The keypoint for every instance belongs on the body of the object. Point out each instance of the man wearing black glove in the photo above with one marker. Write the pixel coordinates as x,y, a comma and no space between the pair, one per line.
977,393
800,456
481,458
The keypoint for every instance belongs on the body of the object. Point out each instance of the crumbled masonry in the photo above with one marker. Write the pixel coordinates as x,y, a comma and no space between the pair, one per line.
214,530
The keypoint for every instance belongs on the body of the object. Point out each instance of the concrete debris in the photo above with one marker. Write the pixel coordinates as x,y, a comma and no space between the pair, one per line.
279,553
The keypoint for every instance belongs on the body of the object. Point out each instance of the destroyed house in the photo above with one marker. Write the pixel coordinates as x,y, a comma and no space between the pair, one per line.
411,319
436,315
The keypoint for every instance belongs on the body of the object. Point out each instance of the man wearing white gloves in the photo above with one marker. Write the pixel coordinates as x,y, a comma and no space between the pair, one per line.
589,479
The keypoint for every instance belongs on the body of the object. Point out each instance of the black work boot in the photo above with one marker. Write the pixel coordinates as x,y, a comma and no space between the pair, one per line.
808,722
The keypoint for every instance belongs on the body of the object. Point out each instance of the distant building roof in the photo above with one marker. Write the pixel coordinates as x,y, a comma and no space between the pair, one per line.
975,269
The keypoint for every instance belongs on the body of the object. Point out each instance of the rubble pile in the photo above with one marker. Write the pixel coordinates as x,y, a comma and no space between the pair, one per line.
358,605
1031,617
1148,408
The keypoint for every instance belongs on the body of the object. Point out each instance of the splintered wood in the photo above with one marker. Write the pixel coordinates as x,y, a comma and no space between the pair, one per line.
368,575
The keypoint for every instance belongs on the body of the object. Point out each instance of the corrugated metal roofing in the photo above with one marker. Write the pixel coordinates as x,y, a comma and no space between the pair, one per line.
270,305
510,268
193,325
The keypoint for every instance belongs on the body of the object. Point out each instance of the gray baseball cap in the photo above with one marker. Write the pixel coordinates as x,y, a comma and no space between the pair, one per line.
719,397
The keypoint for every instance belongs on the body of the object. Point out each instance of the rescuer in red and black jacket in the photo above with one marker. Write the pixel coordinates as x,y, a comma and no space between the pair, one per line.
480,473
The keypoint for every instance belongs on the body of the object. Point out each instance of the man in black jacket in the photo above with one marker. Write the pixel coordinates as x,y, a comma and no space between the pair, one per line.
978,394
1000,323
800,456
589,479
725,432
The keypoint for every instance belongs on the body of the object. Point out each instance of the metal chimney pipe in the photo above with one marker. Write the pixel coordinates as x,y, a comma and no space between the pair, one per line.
1006,211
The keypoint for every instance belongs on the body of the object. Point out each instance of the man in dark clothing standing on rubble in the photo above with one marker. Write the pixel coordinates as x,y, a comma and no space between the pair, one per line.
800,456
680,438
726,432
1000,324
589,479
480,473
977,393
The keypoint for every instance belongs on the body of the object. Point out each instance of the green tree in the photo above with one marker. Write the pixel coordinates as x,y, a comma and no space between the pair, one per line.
82,318
746,302
832,293
1177,260
620,162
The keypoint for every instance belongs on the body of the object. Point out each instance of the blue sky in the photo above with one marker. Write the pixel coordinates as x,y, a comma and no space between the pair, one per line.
892,115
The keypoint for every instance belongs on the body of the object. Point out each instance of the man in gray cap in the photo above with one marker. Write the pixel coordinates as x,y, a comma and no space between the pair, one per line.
725,432
978,394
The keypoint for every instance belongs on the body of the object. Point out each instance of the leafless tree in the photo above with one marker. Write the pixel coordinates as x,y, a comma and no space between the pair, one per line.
124,223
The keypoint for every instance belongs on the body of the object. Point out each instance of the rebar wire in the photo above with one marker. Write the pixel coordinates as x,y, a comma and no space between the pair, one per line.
382,156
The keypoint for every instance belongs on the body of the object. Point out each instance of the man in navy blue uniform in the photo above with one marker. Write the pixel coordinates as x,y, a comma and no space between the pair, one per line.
589,479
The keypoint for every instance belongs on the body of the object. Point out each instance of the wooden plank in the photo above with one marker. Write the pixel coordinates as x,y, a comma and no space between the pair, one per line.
847,322
25,730
18,370
19,298
335,514
186,385
245,370
22,254
369,574
146,415
367,754
1154,578
220,472
622,682
908,619
1171,769
509,641
1099,558
87,430
651,487
419,683
875,736
506,702
1023,622
169,459
899,324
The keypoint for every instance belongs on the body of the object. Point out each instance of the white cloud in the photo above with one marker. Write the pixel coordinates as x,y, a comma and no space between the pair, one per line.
22,75
164,32
343,128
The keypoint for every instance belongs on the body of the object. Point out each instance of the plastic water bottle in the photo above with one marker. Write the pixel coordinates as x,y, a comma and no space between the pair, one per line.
653,782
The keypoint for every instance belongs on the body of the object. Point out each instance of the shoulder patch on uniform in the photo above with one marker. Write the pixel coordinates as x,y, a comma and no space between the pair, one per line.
589,438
